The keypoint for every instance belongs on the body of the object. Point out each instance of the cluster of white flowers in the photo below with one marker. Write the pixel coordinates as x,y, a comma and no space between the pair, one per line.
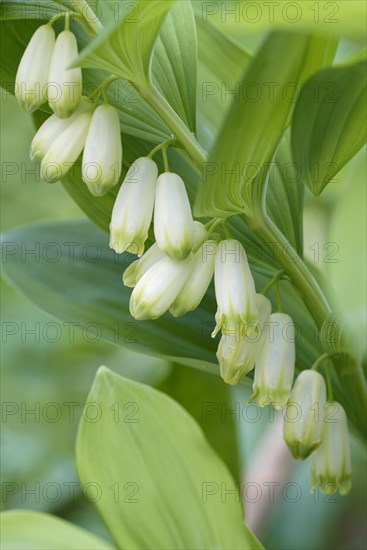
175,273
44,74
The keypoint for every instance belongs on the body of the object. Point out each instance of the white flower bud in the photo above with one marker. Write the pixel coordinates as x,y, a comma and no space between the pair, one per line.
237,352
331,463
52,128
173,223
133,209
274,368
158,288
303,421
136,270
102,159
64,83
32,75
197,284
234,289
65,150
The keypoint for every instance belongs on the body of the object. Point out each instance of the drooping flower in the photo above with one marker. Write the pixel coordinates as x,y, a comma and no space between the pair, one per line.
133,209
237,352
331,463
173,222
274,367
32,75
234,289
303,421
64,83
136,270
65,150
102,159
158,288
53,128
197,284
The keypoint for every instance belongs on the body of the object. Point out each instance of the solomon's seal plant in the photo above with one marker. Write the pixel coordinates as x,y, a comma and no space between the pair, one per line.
203,203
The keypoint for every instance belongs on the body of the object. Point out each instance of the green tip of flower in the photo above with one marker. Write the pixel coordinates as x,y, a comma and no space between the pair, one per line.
300,451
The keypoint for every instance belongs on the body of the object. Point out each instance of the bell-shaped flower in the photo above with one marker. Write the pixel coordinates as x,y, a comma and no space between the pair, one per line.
53,128
237,352
234,289
173,222
102,158
274,367
32,75
65,150
196,286
133,209
331,463
303,420
136,270
64,82
159,287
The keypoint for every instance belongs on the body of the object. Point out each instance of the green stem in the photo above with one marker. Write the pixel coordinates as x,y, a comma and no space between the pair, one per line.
165,158
292,264
154,151
320,360
88,15
272,282
175,124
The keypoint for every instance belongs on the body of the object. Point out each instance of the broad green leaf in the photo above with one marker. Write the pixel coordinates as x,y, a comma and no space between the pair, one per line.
156,496
125,48
84,285
337,18
210,403
21,530
175,61
95,293
253,127
329,123
92,289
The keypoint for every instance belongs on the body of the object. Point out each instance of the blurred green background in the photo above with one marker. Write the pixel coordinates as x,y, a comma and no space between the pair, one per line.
48,376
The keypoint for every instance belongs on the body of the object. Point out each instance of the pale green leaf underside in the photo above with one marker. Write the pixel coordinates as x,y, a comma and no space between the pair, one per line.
125,48
329,124
161,502
23,530
175,61
87,291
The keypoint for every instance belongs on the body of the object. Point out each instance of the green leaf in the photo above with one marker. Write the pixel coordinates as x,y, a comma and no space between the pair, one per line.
84,285
156,496
329,123
284,197
79,288
35,531
221,65
32,9
93,292
210,403
125,48
175,62
253,128
337,18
